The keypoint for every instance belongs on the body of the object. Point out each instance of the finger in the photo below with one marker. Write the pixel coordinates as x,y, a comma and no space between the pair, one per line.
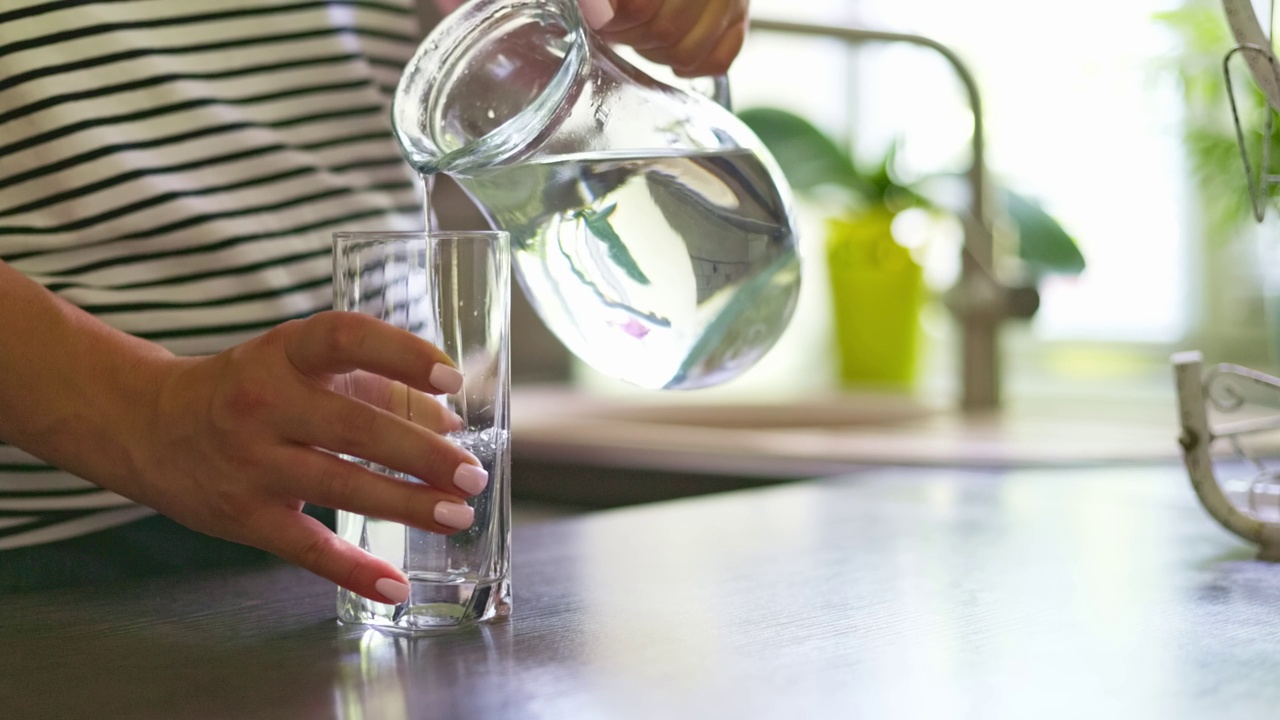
630,13
335,342
343,424
698,41
669,27
717,62
400,400
422,409
307,543
330,481
596,12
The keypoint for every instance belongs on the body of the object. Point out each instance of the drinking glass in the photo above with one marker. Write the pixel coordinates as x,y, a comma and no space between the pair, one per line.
453,290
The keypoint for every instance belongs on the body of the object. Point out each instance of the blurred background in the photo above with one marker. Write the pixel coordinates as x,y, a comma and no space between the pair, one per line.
1109,135
1110,117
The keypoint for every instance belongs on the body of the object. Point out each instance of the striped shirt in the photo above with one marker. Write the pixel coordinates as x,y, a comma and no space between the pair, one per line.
178,168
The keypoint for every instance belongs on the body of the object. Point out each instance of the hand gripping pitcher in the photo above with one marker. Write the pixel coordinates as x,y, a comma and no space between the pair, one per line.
650,228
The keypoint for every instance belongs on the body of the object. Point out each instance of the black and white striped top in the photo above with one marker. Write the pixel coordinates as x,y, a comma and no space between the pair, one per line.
177,168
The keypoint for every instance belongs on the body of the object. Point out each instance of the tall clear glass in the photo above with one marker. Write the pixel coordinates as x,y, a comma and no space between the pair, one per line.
453,290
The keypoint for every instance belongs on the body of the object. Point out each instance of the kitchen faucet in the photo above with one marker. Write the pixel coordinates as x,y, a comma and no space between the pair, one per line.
979,300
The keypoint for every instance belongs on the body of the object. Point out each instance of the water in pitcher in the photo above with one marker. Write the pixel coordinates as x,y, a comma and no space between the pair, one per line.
667,269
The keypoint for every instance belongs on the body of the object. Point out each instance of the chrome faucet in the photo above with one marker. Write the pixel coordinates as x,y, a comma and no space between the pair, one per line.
979,300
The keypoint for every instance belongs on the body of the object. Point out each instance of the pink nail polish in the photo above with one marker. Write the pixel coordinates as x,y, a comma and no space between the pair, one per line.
446,379
454,515
393,590
597,13
470,479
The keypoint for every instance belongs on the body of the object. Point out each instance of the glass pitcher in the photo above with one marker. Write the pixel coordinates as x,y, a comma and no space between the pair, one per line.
651,230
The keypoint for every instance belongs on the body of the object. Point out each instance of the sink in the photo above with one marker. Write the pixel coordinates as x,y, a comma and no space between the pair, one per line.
869,411
828,434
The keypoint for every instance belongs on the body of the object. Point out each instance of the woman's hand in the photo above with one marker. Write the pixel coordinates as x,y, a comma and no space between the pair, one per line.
234,444
237,442
694,37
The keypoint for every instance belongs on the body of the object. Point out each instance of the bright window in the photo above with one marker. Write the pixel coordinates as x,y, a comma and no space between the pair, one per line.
1076,117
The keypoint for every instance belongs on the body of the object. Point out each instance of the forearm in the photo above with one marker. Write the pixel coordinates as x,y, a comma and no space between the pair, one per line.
73,390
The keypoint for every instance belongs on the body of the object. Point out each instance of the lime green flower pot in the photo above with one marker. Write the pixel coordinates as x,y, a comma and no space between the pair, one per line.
878,293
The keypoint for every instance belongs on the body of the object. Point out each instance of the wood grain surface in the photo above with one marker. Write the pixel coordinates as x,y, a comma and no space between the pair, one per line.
921,593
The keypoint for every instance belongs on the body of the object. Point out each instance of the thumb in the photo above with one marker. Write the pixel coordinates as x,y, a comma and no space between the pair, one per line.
596,12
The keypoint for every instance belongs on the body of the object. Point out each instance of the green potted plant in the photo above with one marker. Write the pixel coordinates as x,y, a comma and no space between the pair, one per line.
878,288
1208,135
1238,308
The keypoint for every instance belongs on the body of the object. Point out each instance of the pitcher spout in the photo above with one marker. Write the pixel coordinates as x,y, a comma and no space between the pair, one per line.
487,83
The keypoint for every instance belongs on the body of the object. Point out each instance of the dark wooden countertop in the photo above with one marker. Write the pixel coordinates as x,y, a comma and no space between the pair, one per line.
921,593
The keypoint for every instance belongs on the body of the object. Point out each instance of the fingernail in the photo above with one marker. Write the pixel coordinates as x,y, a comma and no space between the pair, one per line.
446,379
470,479
597,13
455,515
392,589
455,422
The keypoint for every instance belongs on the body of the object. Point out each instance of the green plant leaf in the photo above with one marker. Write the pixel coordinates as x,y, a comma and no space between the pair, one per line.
1042,243
597,222
1202,38
889,191
810,159
807,156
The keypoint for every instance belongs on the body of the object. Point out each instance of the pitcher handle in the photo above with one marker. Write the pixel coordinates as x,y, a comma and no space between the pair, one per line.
720,92
715,87
595,12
